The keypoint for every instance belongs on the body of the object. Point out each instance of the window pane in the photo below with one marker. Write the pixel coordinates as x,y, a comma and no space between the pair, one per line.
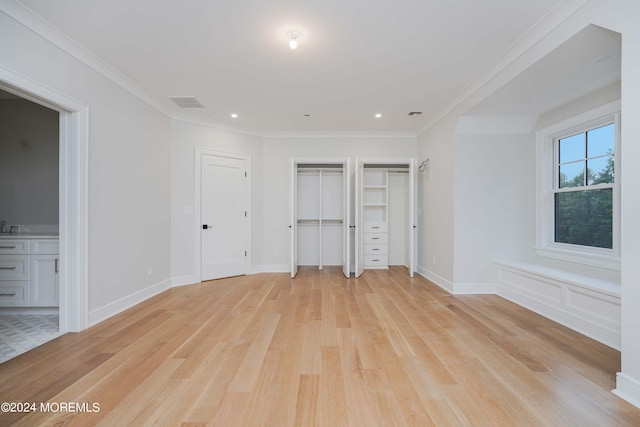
600,170
601,141
572,175
572,148
585,218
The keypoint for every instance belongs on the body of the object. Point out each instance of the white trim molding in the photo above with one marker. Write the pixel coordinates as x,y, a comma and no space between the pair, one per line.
474,288
436,279
627,388
545,244
103,313
25,16
74,173
586,305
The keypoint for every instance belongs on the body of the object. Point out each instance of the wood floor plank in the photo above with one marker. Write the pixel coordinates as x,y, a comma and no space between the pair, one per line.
321,350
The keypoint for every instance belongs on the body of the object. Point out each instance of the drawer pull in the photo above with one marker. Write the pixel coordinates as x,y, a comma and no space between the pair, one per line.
8,295
7,268
375,260
375,238
375,249
375,228
8,247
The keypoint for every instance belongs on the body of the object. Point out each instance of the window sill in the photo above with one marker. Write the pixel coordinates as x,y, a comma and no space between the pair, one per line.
609,262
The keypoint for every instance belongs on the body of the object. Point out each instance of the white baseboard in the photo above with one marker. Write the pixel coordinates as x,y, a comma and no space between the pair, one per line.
474,289
270,268
592,311
103,313
457,288
436,279
627,388
189,279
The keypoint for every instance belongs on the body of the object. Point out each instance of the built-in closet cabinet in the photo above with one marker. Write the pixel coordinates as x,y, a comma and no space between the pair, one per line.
320,207
385,221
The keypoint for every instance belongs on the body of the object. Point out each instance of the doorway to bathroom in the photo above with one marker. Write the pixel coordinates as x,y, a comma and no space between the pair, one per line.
29,225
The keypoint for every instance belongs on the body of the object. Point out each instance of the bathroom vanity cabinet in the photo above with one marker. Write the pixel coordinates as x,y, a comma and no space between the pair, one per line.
29,271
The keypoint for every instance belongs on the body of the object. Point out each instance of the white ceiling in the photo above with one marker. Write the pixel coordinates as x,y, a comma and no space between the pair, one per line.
588,61
355,57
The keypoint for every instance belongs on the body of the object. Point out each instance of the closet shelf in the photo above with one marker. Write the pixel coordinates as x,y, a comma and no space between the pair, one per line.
375,187
373,205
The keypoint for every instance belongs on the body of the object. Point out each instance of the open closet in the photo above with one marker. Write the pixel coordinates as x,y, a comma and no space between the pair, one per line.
320,210
385,232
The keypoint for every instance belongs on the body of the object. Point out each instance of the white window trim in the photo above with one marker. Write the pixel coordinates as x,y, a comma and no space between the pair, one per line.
545,244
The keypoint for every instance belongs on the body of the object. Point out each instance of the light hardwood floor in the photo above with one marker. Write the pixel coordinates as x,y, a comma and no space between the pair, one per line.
382,350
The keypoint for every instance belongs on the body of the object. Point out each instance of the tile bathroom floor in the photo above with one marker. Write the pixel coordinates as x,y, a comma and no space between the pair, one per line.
21,333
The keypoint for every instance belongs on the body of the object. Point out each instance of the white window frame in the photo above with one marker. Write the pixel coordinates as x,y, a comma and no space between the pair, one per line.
545,178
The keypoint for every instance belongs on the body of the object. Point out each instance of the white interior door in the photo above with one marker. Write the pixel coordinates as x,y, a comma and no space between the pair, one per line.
413,228
293,224
224,217
359,235
346,216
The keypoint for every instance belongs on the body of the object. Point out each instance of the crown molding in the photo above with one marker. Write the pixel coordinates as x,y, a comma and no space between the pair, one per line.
186,118
522,45
340,134
30,20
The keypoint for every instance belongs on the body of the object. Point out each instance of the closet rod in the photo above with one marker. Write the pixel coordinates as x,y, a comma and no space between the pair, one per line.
319,170
317,221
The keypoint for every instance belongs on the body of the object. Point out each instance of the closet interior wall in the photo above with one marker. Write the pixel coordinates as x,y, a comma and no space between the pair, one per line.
320,214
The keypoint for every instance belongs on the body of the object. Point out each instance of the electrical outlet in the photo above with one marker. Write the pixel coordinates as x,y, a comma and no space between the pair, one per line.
434,260
149,270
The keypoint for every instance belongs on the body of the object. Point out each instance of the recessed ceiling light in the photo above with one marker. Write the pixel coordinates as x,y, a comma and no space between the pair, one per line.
234,115
378,115
293,38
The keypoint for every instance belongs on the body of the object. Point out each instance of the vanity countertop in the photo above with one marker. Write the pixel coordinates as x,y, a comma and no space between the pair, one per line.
30,235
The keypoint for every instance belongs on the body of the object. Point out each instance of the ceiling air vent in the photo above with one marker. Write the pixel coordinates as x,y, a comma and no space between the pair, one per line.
186,101
415,113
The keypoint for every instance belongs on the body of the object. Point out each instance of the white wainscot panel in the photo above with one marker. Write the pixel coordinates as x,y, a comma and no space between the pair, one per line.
584,304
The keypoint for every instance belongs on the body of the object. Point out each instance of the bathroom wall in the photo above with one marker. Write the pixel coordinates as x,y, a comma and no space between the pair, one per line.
28,162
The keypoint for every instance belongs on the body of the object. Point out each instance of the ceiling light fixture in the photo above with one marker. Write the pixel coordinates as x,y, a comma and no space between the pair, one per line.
293,39
234,115
377,116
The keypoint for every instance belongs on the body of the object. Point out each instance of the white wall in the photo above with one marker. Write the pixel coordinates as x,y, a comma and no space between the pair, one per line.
129,187
435,198
185,138
28,177
278,150
437,142
494,205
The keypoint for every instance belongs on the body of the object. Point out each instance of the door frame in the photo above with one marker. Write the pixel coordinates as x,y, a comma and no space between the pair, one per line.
197,211
413,206
73,194
346,230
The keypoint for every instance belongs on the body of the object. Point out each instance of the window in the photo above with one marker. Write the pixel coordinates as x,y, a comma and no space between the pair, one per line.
583,191
578,188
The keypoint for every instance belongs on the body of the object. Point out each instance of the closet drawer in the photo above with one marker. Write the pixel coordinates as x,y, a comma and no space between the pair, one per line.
10,247
14,294
375,227
376,261
14,267
375,249
375,238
